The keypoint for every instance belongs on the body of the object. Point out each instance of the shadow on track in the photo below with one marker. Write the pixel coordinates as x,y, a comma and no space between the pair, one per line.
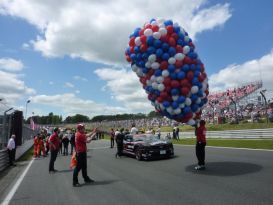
226,168
65,170
105,182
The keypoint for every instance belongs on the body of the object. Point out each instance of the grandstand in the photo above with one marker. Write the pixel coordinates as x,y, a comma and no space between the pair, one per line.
242,102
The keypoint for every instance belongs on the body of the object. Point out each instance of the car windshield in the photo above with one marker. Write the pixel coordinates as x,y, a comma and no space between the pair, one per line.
145,138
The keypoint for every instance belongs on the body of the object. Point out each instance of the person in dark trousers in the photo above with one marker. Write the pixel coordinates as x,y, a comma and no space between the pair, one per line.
200,133
54,145
119,142
80,141
61,144
72,142
177,133
65,142
112,138
11,150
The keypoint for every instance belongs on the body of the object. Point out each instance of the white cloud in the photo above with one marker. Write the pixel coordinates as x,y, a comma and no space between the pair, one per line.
12,88
10,64
51,83
71,105
77,91
98,30
68,85
76,77
250,71
125,88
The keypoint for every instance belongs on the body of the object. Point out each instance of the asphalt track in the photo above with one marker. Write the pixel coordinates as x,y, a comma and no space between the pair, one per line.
232,176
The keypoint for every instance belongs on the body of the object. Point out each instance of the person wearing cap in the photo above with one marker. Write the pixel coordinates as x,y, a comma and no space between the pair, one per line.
54,144
11,150
81,138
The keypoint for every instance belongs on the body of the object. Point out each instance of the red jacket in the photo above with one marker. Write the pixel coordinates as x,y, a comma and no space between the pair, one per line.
201,134
80,142
54,139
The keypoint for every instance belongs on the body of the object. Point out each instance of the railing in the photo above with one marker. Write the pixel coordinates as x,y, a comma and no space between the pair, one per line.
232,134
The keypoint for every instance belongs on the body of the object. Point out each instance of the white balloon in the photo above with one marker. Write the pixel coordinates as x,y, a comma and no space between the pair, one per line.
137,41
186,49
198,101
154,23
148,32
188,101
139,73
148,82
170,110
171,60
155,65
162,106
154,85
161,20
191,122
159,79
134,68
187,39
153,78
163,31
148,64
182,31
177,111
194,89
175,97
160,87
179,56
157,35
165,73
182,105
152,58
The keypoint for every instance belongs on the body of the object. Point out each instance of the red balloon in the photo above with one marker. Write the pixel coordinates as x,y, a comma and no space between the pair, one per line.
132,49
179,49
141,32
143,39
188,115
128,58
167,81
164,94
178,64
151,72
190,75
201,78
148,26
175,83
163,65
202,68
187,60
207,92
132,41
175,36
168,89
143,47
159,99
155,28
185,91
169,29
184,83
164,38
172,42
192,45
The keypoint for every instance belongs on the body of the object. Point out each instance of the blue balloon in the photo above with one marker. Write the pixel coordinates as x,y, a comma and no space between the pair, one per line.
199,85
194,97
195,81
172,51
176,29
171,68
152,20
180,42
196,73
181,99
136,32
194,107
199,93
173,76
157,92
175,105
168,23
181,75
145,56
157,43
159,52
145,70
165,47
133,56
174,91
158,72
138,57
151,50
166,104
136,49
186,68
186,109
165,56
150,40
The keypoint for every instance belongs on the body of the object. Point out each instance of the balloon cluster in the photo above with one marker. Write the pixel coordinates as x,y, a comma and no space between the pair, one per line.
163,57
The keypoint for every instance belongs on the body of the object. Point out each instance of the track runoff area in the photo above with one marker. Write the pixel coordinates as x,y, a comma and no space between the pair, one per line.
232,176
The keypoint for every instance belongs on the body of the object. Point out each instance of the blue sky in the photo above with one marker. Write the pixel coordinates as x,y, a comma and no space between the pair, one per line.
68,57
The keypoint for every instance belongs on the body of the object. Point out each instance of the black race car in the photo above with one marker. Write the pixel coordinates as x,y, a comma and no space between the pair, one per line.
147,146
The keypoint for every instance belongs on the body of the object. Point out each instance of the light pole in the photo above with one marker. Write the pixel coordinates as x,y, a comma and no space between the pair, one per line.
4,124
26,108
265,101
236,118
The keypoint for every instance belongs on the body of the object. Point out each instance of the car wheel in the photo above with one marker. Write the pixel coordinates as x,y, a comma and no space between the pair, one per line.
138,154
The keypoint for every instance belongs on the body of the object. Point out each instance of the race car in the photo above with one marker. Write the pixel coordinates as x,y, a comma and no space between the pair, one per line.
147,146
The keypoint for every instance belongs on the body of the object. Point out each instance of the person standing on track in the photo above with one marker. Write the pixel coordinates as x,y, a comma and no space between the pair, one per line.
80,141
200,133
119,142
112,138
54,145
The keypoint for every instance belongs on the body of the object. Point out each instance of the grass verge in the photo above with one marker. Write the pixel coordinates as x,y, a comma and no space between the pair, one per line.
27,156
239,143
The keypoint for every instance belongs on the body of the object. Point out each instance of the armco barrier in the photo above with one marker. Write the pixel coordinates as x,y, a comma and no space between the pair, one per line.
232,134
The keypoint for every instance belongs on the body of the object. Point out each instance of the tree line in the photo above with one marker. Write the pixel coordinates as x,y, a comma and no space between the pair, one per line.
58,119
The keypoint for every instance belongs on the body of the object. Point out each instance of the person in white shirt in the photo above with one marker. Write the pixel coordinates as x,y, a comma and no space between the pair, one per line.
11,150
134,130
